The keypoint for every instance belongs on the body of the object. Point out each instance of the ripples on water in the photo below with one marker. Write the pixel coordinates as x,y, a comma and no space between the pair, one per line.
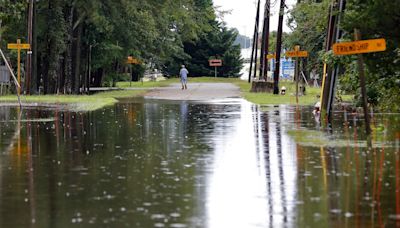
178,164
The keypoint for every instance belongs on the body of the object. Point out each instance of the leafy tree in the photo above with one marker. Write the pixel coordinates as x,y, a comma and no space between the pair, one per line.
308,21
213,40
378,19
82,42
375,19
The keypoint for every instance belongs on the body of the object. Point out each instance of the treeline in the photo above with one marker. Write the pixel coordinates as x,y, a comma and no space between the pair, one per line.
81,43
375,19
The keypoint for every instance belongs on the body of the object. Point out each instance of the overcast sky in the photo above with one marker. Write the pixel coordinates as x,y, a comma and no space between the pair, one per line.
243,14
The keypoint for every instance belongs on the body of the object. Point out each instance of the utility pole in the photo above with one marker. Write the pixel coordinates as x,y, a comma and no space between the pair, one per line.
255,41
256,51
296,74
29,56
265,42
330,73
278,47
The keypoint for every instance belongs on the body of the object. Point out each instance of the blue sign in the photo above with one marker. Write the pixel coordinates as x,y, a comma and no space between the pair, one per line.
287,68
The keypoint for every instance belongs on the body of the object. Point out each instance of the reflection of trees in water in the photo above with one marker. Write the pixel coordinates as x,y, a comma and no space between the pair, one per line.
80,156
360,184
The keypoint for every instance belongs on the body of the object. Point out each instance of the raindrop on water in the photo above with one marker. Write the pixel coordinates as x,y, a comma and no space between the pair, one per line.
348,215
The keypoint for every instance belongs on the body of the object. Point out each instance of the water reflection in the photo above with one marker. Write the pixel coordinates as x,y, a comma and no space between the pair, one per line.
186,164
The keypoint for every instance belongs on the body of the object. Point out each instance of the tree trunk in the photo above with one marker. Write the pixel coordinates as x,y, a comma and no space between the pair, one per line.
55,45
35,79
68,53
0,29
77,65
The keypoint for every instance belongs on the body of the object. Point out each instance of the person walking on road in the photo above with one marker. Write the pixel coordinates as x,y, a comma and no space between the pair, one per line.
184,74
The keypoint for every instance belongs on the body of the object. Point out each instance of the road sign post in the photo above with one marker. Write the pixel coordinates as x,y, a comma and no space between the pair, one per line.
19,46
215,63
359,47
271,56
297,54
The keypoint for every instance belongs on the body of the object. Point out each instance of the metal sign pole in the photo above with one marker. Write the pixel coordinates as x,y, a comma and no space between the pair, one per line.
215,71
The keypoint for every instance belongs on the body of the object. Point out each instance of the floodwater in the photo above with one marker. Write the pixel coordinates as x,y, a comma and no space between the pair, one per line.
228,163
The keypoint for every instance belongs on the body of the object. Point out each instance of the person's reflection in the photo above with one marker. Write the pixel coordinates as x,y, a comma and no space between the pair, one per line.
184,112
184,117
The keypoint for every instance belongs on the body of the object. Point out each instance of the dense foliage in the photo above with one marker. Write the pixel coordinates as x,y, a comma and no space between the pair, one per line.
83,42
375,19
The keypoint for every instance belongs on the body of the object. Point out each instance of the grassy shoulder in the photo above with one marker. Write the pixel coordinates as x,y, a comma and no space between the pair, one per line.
146,85
102,99
153,84
258,98
76,102
263,98
290,99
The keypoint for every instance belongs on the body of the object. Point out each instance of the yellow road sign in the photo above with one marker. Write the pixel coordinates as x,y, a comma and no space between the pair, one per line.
132,60
271,56
19,46
359,47
292,54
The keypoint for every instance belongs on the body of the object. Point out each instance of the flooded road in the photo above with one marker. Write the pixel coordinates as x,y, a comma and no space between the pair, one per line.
227,163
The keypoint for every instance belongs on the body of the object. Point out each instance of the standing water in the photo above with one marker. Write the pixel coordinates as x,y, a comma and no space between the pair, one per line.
226,163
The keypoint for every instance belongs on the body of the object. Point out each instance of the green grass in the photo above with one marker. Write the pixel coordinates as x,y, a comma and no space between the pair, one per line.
213,80
258,98
146,85
270,99
99,100
77,102
152,84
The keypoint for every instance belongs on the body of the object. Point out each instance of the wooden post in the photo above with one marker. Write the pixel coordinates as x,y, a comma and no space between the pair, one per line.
19,67
265,42
296,74
357,36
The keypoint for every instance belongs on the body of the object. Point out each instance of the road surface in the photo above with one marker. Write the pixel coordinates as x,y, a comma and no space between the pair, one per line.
195,92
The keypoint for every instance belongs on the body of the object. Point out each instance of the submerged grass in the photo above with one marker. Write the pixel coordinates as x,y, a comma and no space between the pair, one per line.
76,102
314,138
